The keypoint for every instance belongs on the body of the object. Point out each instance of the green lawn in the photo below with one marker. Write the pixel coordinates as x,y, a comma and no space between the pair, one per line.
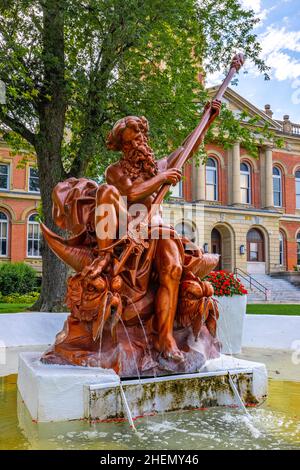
258,309
273,309
14,308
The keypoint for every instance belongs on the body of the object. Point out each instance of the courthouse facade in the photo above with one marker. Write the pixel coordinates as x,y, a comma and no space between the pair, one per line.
247,209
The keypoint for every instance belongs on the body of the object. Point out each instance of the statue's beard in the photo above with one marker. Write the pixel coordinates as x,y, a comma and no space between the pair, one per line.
139,161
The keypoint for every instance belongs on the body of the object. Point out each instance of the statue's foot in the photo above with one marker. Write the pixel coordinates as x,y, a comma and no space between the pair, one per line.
169,350
174,355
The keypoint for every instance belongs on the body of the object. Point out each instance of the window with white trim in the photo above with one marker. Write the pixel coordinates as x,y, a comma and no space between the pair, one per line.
4,176
211,180
277,187
33,184
176,191
33,237
281,249
245,183
3,234
298,249
297,181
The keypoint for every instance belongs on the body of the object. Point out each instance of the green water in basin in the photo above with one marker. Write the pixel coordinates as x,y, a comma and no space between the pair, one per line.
275,425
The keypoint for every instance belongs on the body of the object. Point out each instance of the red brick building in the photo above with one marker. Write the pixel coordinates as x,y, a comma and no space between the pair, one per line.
244,208
19,200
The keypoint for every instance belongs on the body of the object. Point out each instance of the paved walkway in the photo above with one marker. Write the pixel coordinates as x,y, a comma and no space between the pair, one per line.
279,363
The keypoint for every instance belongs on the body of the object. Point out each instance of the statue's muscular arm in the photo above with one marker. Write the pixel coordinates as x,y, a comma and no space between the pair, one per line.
138,190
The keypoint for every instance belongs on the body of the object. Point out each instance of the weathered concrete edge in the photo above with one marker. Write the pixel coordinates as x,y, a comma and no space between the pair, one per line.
153,395
278,332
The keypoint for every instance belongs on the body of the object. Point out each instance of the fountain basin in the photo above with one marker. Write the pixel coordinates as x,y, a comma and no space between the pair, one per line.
61,393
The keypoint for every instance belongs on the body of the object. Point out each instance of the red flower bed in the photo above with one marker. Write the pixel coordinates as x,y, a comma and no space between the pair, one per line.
225,283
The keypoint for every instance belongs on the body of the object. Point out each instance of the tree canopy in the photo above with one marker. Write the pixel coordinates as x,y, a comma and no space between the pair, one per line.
110,58
73,67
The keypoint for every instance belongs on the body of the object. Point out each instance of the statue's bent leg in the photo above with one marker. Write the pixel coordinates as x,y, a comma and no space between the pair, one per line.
168,264
110,209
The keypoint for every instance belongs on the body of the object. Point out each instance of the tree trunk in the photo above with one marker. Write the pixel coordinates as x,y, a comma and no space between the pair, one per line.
48,144
54,272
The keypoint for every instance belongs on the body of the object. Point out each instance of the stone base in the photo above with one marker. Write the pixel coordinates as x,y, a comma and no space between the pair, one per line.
60,393
55,393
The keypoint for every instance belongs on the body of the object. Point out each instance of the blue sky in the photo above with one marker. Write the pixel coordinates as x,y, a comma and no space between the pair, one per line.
279,35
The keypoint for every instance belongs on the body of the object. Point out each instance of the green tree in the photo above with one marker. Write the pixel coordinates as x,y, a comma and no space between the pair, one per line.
71,68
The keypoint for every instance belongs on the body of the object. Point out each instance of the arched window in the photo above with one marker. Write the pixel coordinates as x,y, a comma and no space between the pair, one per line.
3,234
298,249
33,237
297,180
211,180
281,249
245,183
277,187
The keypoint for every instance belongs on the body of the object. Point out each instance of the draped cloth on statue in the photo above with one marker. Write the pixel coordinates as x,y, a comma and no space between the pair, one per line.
74,210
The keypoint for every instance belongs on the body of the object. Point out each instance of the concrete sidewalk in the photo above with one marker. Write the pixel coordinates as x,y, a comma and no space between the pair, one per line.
280,364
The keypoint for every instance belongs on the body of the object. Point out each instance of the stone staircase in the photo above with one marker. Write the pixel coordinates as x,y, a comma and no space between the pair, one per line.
281,291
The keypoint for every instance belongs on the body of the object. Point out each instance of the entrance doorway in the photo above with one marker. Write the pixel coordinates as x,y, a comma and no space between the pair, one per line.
216,246
222,243
255,252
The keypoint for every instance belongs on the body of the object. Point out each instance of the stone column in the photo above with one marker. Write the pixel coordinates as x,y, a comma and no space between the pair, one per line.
199,182
236,174
269,202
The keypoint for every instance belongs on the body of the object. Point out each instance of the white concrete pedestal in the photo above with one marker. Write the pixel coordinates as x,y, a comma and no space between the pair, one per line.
55,393
60,393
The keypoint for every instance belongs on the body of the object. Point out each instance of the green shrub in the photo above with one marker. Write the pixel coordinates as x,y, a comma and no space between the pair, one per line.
17,277
16,298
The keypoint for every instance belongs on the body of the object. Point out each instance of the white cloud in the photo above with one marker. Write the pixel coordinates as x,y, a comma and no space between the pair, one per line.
278,49
214,79
254,5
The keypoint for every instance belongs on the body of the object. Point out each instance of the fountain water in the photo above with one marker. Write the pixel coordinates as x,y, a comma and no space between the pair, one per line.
126,407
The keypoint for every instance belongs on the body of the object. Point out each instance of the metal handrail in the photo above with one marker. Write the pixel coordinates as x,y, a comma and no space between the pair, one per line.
252,281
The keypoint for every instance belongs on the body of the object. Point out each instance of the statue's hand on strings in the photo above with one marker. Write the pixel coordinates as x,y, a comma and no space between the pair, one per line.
172,176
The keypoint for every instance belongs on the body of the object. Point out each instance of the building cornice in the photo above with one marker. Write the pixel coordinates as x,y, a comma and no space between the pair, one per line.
243,210
290,217
19,195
